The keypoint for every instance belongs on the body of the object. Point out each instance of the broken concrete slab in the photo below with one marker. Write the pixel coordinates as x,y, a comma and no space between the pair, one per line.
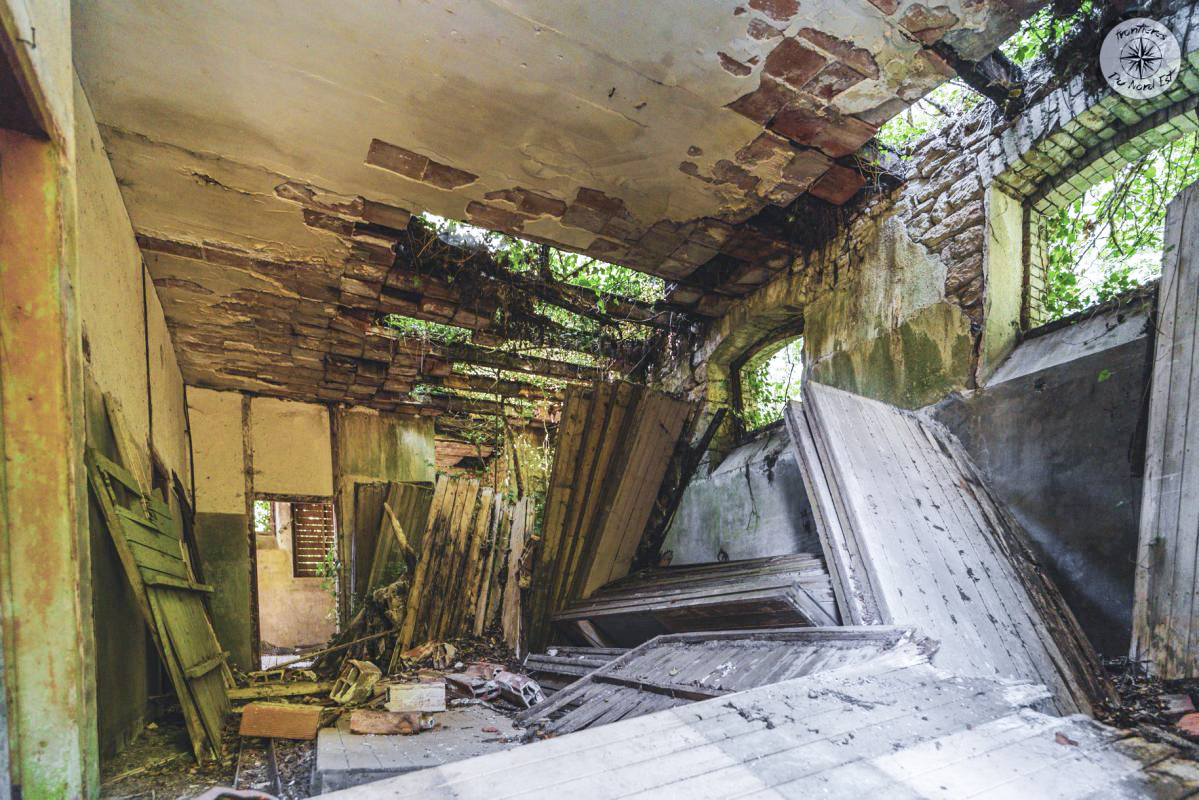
344,759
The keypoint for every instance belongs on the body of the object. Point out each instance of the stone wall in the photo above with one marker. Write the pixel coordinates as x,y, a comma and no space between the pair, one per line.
873,321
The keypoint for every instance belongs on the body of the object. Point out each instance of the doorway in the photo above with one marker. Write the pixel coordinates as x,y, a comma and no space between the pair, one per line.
295,541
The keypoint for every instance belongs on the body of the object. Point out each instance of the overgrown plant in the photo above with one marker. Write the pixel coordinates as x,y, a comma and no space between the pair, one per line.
1110,240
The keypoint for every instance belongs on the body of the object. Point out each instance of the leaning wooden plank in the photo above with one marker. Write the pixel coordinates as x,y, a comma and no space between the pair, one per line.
911,497
511,613
417,591
626,525
203,711
1165,612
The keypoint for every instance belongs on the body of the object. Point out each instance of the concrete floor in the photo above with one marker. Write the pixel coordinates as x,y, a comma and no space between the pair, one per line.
344,759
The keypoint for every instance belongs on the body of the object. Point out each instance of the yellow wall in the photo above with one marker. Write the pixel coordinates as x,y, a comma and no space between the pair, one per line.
128,357
294,611
292,447
121,316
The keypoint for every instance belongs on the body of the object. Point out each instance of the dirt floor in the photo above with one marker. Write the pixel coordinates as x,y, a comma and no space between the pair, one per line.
159,766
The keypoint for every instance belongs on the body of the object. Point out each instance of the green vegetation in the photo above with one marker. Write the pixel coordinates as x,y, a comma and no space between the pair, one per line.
768,380
1110,240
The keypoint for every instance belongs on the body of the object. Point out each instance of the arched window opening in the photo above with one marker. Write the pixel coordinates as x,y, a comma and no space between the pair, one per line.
1109,239
764,381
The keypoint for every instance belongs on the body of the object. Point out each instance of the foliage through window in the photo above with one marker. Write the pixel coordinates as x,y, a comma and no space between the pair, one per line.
768,379
1110,240
263,519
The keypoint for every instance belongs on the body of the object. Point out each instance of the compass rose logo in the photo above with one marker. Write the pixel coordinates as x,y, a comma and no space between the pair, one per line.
1140,58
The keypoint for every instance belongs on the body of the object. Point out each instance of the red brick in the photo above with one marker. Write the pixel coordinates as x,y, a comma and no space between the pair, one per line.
280,721
764,148
927,24
777,10
807,166
1189,724
831,81
838,185
886,6
835,138
444,176
859,58
792,63
761,29
495,218
396,159
529,202
733,66
764,102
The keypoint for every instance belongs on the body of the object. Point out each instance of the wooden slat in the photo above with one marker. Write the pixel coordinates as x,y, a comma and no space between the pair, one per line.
151,552
1165,610
916,537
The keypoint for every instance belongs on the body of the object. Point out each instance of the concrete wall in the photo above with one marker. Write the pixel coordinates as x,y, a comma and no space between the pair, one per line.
293,611
753,504
288,448
1059,432
128,358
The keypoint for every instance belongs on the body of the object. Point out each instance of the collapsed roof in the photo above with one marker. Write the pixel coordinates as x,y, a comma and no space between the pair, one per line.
271,162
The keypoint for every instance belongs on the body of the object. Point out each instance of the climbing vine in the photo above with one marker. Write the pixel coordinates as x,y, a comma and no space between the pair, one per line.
768,381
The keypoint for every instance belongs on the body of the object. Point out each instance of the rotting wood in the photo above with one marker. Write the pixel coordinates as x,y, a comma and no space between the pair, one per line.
893,488
150,549
455,585
674,669
1165,611
614,445
778,591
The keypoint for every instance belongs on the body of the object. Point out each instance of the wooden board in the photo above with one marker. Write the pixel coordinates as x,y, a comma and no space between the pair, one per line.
614,447
673,670
150,547
778,591
1165,611
890,728
458,580
915,537
403,517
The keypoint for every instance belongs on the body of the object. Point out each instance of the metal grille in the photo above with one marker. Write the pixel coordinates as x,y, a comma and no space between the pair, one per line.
312,532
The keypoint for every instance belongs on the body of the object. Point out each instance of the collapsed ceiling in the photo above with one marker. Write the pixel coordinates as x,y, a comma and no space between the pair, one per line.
271,159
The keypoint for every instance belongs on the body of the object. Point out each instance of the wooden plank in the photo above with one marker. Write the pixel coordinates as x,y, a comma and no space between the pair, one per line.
828,734
910,496
290,689
1165,624
175,583
511,615
418,592
561,487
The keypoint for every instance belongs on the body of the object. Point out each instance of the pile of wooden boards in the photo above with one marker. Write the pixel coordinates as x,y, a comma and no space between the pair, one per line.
615,442
669,671
777,591
467,578
913,536
403,515
149,543
560,666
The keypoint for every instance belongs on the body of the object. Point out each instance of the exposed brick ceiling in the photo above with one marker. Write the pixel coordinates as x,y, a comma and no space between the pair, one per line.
270,154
